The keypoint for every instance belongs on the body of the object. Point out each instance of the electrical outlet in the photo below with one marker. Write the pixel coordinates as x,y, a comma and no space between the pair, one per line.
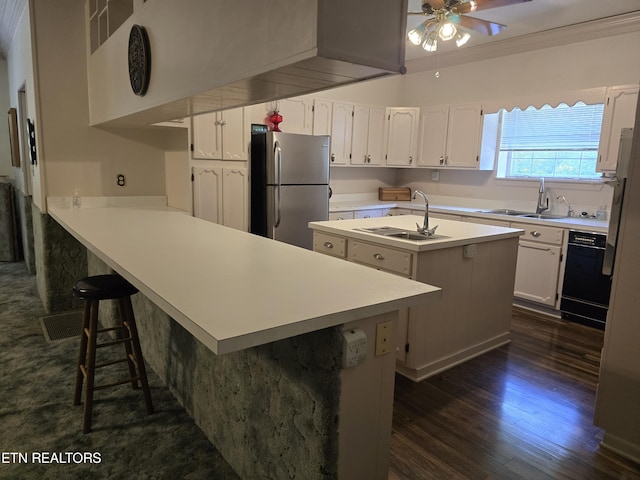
469,251
120,180
354,347
383,338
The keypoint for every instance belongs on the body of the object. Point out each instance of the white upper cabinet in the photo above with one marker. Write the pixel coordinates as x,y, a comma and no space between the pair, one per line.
322,116
221,135
367,138
341,125
619,113
297,115
402,136
450,136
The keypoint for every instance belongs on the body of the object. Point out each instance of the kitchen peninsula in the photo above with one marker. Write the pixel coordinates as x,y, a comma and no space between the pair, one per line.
474,265
243,331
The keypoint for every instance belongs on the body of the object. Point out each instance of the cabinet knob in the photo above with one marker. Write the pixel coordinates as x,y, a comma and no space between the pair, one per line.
368,158
535,234
328,245
333,157
441,160
378,256
410,160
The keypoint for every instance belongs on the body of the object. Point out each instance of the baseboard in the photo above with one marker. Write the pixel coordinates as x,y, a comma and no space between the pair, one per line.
433,368
628,450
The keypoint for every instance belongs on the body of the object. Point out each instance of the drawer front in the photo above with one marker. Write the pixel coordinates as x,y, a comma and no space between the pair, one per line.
538,233
381,257
329,244
341,216
367,213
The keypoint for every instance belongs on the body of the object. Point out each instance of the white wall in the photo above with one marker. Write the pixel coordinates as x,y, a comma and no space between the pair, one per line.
5,149
71,153
577,66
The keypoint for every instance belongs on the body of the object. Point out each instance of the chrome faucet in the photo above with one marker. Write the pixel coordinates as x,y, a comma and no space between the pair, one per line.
541,207
425,230
564,199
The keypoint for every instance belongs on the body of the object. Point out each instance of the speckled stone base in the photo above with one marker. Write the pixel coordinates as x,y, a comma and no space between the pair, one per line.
271,411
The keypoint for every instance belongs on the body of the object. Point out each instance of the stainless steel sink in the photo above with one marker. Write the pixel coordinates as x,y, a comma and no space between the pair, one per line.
414,236
504,211
543,216
394,232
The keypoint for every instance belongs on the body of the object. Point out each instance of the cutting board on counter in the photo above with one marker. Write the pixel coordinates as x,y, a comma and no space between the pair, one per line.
398,193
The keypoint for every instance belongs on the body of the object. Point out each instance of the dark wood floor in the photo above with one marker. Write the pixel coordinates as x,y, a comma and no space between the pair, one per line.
523,411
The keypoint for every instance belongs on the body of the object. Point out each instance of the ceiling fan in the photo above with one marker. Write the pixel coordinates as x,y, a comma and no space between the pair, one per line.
448,21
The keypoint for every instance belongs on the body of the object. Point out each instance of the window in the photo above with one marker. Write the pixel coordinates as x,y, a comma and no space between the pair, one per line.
550,142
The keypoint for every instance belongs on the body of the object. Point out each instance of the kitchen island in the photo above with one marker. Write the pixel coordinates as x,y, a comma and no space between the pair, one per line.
474,265
248,334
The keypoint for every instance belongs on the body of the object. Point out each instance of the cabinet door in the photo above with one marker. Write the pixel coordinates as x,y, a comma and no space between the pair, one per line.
375,136
433,136
207,188
402,133
537,272
463,136
321,117
235,134
297,115
207,136
619,113
235,198
341,123
360,135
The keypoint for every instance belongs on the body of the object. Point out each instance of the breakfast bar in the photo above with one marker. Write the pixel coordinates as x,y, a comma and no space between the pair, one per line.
248,334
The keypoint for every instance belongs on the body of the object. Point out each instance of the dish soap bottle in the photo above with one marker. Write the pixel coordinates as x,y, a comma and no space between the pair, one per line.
76,201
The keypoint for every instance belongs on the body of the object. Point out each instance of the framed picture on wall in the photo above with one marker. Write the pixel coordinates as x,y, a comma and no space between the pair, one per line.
13,137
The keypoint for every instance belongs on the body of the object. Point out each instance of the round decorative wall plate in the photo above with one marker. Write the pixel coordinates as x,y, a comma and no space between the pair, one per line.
139,60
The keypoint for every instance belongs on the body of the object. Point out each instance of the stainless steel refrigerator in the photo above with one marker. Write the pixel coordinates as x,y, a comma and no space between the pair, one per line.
289,175
619,183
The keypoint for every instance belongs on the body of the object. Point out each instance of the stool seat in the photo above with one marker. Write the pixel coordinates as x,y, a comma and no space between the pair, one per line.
103,287
125,332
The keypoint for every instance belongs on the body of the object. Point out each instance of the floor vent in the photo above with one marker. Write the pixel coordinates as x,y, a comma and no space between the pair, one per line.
61,326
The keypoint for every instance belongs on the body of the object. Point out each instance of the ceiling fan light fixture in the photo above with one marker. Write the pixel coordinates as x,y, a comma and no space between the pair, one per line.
462,38
417,34
430,44
447,31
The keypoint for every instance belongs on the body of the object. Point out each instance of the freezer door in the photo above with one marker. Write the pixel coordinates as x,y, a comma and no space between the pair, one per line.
293,159
291,208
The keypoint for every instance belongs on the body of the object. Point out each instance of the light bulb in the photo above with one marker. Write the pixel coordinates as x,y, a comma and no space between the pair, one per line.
447,31
417,34
461,39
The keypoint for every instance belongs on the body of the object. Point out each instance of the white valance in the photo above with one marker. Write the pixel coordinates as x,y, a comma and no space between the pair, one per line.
589,96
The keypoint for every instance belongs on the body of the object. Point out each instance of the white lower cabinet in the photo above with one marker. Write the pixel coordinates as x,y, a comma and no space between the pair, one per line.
539,261
220,195
340,215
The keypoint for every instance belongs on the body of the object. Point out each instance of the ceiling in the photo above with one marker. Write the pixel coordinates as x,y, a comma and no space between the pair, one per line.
521,20
10,12
524,19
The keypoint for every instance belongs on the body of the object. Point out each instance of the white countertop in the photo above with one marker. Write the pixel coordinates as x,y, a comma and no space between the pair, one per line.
449,233
579,223
230,289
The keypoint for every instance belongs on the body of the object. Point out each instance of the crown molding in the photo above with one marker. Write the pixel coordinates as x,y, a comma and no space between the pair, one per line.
604,27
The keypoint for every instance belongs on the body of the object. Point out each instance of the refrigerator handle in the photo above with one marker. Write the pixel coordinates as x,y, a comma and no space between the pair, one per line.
276,212
277,155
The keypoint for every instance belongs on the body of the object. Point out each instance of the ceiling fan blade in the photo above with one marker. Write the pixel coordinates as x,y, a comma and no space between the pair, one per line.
474,5
435,4
477,25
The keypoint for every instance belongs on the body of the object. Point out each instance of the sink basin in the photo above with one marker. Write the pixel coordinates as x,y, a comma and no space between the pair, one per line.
413,236
549,216
504,211
394,232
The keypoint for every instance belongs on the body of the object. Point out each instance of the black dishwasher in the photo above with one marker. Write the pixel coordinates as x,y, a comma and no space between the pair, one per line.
586,291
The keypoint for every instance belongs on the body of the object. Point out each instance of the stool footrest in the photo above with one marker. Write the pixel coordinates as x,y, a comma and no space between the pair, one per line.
114,342
119,382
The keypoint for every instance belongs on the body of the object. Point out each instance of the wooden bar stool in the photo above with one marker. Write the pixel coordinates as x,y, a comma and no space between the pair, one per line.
92,290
